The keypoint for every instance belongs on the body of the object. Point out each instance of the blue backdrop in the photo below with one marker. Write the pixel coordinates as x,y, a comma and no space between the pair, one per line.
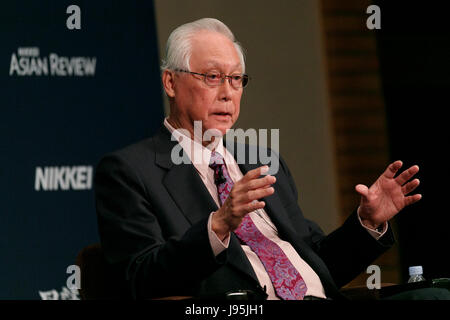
67,97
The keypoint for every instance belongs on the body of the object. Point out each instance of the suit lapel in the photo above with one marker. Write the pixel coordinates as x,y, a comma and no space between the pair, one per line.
182,181
274,207
189,192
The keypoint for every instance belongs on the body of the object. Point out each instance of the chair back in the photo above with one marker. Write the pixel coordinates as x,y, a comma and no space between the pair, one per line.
97,281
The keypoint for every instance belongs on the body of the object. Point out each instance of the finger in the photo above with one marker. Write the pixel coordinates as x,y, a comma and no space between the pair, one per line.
243,209
362,190
410,186
260,183
392,169
258,194
412,199
255,173
254,205
406,175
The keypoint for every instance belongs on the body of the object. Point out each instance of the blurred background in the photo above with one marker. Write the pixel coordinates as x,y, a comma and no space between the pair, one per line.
347,100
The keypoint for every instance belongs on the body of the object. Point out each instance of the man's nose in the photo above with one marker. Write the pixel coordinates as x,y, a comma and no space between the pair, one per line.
225,90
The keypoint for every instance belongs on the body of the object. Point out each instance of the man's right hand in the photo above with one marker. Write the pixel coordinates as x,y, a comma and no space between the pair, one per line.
243,198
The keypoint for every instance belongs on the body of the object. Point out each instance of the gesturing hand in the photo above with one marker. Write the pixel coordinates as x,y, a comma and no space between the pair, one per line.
388,195
243,198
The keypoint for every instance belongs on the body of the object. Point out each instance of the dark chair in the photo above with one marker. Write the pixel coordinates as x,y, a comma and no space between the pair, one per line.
97,280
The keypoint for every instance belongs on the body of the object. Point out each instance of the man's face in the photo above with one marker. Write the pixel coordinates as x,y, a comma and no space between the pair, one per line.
217,107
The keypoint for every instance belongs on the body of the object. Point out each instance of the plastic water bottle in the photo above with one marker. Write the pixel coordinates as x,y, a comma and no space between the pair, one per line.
416,274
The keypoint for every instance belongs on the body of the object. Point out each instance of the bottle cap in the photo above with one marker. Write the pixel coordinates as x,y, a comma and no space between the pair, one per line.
415,270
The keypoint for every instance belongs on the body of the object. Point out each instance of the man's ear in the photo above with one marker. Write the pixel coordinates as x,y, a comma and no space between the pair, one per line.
168,80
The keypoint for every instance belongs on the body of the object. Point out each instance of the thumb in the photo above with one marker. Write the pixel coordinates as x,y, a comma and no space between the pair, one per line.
362,190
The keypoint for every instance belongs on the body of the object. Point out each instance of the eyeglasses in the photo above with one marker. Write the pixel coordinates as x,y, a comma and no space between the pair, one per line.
215,79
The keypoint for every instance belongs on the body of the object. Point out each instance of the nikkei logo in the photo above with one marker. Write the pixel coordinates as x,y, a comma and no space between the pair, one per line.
28,62
63,178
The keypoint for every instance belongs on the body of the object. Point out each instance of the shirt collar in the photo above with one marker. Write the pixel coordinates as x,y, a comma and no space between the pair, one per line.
197,153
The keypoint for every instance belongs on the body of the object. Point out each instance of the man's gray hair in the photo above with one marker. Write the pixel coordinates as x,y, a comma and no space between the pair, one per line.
178,47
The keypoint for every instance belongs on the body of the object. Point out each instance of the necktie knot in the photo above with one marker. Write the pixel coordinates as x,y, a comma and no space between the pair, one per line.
217,164
216,160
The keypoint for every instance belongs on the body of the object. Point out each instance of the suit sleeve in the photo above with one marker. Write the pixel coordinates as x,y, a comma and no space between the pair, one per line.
146,263
348,250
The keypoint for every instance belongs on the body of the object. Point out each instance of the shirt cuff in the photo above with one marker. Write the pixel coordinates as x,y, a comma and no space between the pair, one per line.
216,244
375,233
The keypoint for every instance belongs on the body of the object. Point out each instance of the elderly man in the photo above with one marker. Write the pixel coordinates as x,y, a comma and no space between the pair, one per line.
213,227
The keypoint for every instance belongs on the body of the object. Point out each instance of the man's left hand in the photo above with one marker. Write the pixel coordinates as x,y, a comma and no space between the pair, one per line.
387,196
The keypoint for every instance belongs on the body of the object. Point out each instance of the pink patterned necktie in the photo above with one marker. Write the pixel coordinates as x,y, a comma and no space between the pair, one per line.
287,281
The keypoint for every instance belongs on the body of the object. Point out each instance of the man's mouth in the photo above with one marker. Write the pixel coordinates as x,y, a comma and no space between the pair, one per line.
222,114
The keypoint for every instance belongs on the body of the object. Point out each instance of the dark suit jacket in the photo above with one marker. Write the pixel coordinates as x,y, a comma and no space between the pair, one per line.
152,219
